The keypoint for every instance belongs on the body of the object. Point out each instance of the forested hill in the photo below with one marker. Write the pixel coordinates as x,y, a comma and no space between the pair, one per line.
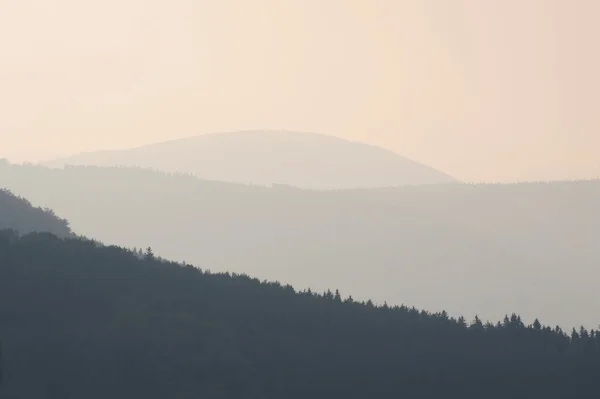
469,249
19,214
82,321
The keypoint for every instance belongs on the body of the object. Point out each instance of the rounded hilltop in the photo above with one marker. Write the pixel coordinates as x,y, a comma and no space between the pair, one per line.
266,157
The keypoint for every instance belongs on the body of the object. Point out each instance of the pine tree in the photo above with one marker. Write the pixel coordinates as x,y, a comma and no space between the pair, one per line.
337,297
149,254
476,325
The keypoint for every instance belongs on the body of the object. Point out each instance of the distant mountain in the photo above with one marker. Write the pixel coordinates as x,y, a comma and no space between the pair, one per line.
82,321
305,160
470,249
18,214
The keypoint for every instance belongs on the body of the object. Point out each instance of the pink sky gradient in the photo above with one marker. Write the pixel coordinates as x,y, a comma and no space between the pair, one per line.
484,90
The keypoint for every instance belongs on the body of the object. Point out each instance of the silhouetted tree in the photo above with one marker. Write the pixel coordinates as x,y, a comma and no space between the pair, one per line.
337,297
149,253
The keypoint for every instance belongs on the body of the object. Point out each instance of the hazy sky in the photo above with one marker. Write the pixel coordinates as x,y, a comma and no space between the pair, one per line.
482,89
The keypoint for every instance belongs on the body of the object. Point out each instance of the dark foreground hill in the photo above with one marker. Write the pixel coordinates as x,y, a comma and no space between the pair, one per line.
82,321
19,214
268,157
487,250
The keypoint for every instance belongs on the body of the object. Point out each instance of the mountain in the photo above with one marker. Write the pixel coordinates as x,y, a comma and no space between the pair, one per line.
304,160
470,249
18,214
83,321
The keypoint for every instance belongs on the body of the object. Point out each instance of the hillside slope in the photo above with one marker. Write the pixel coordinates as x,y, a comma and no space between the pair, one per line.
487,250
94,322
18,214
267,157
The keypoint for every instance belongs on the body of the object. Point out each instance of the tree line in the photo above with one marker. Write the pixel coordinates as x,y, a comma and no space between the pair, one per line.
79,319
19,214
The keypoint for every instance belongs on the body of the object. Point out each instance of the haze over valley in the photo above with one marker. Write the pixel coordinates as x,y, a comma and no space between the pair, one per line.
152,328
290,199
468,249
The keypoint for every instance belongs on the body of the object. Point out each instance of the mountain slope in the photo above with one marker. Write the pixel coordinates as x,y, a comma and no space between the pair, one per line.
267,157
94,322
18,214
527,248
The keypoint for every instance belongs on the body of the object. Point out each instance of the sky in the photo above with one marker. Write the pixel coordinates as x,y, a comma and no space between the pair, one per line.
484,90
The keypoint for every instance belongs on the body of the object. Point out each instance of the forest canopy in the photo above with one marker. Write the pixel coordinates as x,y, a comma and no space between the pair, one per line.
19,214
83,320
436,246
